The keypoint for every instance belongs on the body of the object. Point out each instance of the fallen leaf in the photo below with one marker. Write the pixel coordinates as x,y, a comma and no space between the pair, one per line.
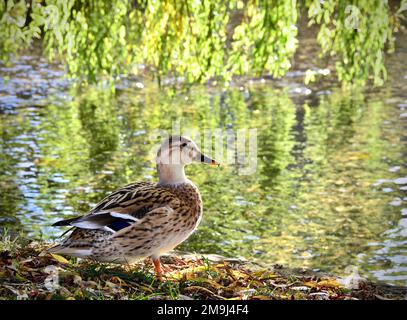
59,258
311,284
260,298
329,283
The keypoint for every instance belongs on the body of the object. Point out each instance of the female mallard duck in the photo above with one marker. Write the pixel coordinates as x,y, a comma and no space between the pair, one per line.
142,219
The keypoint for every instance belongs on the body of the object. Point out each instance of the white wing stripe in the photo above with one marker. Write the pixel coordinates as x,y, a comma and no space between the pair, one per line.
123,216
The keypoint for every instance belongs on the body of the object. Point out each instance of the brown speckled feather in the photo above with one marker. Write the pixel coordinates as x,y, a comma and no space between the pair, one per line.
166,216
128,199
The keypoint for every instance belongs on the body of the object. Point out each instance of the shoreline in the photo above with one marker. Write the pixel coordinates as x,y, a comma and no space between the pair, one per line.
28,273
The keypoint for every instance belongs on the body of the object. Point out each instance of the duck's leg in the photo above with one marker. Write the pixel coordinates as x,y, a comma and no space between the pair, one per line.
158,268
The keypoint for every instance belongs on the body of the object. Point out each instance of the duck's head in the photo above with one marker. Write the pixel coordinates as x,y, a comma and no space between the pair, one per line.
176,152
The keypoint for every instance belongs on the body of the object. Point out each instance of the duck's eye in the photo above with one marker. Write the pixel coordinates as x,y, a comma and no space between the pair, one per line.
184,145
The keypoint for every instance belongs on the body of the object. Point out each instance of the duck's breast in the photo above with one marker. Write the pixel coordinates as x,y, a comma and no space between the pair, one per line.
185,219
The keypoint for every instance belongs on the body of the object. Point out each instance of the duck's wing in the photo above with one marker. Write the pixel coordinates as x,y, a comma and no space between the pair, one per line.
124,207
151,223
141,236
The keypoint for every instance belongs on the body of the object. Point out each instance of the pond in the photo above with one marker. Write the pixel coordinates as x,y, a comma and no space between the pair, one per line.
330,180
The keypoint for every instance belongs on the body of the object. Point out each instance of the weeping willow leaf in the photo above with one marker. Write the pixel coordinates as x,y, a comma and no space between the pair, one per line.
309,76
194,41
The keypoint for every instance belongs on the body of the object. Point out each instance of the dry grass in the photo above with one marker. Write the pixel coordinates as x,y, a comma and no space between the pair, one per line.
27,273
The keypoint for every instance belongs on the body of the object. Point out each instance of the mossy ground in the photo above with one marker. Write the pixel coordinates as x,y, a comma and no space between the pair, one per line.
27,272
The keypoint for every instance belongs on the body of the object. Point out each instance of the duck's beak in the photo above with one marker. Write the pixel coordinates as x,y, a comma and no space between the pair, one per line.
204,159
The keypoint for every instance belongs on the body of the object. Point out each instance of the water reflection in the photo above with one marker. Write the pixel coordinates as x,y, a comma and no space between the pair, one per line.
331,179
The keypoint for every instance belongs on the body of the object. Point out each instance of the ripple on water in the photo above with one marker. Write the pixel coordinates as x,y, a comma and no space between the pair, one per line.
9,102
393,266
24,164
396,202
400,180
58,179
393,274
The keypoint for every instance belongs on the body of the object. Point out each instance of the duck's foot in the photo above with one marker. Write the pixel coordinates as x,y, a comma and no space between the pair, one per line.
179,261
160,269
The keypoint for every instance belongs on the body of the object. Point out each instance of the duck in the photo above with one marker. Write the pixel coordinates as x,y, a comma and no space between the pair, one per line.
142,219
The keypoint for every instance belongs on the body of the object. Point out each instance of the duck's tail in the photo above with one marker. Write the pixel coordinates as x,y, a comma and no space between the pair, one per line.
70,251
80,243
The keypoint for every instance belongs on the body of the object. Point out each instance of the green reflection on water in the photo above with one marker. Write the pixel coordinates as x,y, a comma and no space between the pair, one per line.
312,201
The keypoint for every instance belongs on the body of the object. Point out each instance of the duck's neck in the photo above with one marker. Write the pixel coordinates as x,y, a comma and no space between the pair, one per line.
170,174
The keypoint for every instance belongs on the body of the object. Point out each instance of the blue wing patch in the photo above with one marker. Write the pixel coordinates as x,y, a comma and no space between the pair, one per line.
118,225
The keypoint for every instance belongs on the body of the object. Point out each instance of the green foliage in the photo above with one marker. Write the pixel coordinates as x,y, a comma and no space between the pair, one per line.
357,33
266,39
14,34
195,41
91,35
